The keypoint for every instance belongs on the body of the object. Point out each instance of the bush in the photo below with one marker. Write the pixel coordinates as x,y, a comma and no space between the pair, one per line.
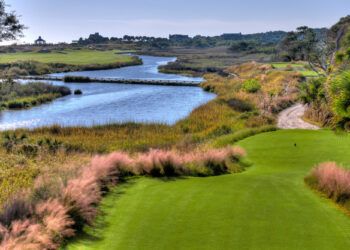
340,90
251,86
240,105
78,92
332,180
14,210
81,79
313,90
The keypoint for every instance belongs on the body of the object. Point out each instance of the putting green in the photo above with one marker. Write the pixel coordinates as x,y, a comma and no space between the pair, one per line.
266,207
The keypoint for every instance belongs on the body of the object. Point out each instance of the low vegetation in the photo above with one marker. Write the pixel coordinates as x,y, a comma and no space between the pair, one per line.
78,92
333,181
251,86
81,79
14,95
56,209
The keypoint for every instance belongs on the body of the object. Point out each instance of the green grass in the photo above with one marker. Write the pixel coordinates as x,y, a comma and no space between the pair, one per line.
299,67
266,207
71,57
284,65
309,73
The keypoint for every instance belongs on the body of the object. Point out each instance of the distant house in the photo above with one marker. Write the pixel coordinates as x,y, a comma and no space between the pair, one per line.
40,41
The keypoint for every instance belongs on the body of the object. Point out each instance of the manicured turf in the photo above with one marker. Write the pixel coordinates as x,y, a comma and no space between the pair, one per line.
72,57
266,207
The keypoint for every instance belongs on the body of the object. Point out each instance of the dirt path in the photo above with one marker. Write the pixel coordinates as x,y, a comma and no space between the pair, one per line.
291,118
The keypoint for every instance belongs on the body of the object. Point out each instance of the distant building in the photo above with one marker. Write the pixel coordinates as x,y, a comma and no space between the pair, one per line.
40,41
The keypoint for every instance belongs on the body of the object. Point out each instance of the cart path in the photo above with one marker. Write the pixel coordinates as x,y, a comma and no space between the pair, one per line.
291,118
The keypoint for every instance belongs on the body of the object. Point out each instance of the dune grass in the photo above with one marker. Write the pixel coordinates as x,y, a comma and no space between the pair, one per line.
266,207
71,57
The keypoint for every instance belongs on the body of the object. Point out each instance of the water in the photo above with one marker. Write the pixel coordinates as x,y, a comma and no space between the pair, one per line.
104,103
149,71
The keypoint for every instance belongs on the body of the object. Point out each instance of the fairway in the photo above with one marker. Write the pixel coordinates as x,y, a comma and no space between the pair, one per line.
71,57
266,207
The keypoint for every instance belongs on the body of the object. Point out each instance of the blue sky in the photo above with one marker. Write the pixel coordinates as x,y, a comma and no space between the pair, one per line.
65,20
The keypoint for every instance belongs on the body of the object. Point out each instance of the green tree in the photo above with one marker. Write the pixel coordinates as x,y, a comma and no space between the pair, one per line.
10,27
304,45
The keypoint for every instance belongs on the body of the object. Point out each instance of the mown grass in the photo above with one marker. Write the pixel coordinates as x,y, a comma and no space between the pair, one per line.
71,57
266,207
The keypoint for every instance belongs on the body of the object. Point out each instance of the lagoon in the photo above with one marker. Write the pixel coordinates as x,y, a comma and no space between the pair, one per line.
106,103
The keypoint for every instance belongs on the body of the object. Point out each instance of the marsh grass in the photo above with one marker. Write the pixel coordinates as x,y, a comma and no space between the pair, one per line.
14,95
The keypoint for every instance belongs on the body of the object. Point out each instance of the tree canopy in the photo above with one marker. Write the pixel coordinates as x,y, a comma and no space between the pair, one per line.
10,26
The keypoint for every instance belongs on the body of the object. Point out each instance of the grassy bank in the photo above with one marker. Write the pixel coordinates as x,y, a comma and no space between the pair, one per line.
14,95
47,61
241,211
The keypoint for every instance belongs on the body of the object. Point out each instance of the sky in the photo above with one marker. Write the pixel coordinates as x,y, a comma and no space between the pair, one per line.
67,20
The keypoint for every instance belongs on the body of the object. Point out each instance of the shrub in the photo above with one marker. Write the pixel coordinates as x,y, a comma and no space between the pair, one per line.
240,105
158,163
340,89
54,217
108,169
78,92
26,234
251,86
332,180
81,196
16,209
313,90
221,130
81,79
